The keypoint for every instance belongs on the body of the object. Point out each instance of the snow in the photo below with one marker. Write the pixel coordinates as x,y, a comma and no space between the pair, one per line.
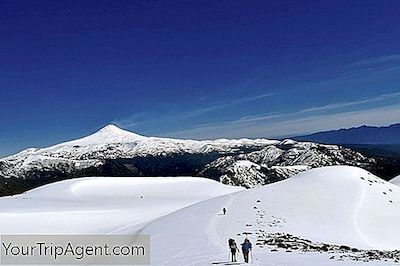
246,164
288,142
395,180
293,167
102,205
332,205
340,205
108,134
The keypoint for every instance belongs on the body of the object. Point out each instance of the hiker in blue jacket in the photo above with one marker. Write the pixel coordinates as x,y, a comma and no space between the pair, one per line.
246,248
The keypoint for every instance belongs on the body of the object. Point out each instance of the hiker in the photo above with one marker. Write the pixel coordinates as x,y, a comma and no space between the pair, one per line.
224,211
233,247
246,248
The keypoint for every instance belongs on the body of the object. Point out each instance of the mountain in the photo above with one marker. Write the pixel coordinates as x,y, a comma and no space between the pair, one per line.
116,152
386,156
380,143
357,135
280,161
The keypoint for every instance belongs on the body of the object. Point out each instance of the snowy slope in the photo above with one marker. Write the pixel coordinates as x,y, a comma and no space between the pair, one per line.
334,205
102,205
395,180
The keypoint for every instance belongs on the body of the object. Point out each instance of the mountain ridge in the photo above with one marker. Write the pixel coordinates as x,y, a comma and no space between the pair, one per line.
112,151
356,135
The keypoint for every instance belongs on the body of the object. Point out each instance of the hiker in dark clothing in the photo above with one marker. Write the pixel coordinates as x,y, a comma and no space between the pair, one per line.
233,247
246,248
224,211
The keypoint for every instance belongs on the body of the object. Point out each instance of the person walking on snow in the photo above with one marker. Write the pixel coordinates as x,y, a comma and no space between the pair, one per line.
224,211
233,247
246,248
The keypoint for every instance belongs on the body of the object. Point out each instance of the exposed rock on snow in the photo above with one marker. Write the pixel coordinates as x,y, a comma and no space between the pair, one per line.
290,243
280,161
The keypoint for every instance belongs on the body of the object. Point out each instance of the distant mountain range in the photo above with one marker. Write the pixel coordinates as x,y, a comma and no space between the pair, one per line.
116,152
357,135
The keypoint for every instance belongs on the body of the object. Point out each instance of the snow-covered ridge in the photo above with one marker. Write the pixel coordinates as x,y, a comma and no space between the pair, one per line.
112,142
114,151
112,134
338,205
121,142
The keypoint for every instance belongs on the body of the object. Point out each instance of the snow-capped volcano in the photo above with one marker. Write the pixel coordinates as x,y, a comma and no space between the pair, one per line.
108,134
112,151
122,142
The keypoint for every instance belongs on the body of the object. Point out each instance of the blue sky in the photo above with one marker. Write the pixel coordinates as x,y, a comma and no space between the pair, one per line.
195,69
